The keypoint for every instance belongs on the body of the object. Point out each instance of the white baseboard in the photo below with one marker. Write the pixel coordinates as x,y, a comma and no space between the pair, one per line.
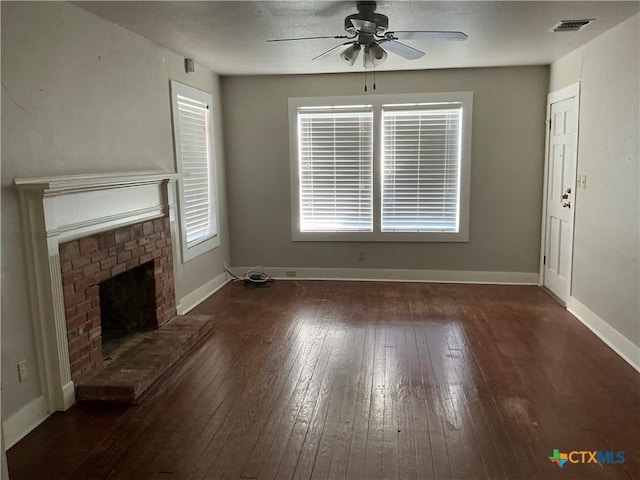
397,275
609,335
21,423
195,298
68,395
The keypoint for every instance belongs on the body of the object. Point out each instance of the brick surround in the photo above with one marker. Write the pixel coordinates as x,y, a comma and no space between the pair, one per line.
90,260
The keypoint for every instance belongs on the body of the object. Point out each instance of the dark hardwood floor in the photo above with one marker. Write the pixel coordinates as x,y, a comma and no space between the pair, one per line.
363,380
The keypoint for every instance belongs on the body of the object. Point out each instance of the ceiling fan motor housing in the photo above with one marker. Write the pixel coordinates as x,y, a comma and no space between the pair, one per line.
367,13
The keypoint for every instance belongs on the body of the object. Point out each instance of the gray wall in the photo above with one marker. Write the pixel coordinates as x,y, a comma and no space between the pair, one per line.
506,171
80,95
606,269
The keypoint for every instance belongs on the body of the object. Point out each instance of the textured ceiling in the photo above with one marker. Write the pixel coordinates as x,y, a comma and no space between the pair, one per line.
229,37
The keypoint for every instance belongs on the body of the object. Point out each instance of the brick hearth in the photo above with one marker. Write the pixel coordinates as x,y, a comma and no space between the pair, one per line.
90,260
126,378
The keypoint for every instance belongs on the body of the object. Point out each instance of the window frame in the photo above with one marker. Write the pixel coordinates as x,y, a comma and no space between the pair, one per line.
210,240
377,102
365,195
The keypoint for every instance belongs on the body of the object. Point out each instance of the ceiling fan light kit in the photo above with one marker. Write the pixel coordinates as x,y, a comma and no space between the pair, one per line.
350,55
368,31
376,54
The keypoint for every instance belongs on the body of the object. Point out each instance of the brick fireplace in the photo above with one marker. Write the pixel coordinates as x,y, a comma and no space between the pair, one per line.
80,230
91,261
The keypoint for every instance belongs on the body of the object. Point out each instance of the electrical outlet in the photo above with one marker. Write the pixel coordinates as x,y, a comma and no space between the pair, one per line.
291,273
22,371
361,255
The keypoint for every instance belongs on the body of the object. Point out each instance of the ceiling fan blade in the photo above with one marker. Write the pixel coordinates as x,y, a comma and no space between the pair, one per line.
429,35
403,50
306,38
330,50
363,25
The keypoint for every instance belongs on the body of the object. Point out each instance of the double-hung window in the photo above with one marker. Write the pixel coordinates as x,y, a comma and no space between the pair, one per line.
335,163
381,167
421,168
195,162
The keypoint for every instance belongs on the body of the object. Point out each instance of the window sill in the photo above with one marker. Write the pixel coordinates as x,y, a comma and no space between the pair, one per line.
441,237
200,248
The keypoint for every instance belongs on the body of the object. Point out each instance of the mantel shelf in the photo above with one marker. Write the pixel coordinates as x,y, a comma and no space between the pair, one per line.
58,185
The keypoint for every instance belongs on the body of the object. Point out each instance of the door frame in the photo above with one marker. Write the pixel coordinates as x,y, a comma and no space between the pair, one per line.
565,93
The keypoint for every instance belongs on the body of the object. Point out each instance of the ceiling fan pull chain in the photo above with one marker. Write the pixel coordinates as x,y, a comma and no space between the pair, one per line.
374,77
365,79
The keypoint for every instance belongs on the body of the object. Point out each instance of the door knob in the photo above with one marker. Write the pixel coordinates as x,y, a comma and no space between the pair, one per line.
566,203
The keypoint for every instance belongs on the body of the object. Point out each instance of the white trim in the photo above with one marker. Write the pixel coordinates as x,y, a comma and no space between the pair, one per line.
398,275
21,423
620,344
200,294
79,183
565,93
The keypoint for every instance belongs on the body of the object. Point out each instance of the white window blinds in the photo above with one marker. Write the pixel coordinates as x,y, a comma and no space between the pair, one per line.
335,155
421,170
195,155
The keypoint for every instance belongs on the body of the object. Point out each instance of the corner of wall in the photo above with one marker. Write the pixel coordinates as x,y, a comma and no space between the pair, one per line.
200,294
624,347
566,70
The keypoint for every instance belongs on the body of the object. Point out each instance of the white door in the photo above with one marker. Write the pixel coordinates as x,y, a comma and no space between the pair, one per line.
560,191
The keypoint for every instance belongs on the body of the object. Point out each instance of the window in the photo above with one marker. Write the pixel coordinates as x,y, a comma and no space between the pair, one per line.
421,165
381,167
335,157
192,129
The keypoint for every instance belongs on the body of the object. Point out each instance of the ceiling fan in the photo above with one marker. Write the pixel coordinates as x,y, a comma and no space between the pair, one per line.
367,31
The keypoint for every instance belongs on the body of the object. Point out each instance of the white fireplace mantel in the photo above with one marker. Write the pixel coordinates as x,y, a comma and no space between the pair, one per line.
59,209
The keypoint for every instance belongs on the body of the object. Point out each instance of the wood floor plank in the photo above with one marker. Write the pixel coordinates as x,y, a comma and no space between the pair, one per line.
432,405
363,380
359,434
375,428
390,430
340,456
407,467
420,423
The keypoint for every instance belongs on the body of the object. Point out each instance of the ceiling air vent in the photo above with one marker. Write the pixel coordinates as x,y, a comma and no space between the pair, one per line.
571,25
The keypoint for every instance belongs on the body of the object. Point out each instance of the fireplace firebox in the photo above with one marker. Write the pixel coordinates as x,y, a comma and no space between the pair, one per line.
127,308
